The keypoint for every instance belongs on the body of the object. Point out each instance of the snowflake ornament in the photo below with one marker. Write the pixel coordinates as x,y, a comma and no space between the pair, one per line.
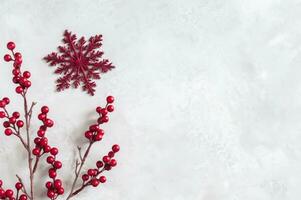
79,62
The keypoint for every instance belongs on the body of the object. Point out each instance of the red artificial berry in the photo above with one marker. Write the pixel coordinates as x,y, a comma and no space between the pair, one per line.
47,148
7,58
16,72
52,173
98,137
2,104
9,193
27,84
18,61
106,159
2,114
11,45
115,148
41,133
18,186
45,109
16,115
54,151
48,122
104,111
20,123
111,154
88,134
57,183
98,109
60,190
26,74
50,194
1,183
43,142
50,159
110,99
102,179
36,151
6,100
94,182
37,141
92,172
99,164
2,193
57,164
16,79
23,197
48,185
18,55
93,127
12,120
103,119
85,177
43,127
113,162
6,124
19,89
41,116
8,132
110,108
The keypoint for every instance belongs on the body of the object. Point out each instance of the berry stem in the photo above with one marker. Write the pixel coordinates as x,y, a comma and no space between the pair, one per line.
78,168
23,188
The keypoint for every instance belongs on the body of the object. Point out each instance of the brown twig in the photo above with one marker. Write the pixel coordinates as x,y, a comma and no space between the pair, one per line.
23,188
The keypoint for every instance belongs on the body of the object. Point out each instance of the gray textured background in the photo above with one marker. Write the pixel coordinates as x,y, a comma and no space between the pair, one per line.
208,94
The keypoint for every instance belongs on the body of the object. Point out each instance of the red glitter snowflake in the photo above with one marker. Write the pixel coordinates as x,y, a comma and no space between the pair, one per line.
79,61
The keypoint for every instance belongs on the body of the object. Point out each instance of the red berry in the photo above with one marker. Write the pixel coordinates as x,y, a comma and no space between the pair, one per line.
2,104
6,100
111,154
16,72
19,89
11,45
26,74
92,172
57,183
50,194
106,159
57,164
108,167
48,122
12,120
85,177
88,134
6,124
98,109
23,197
18,55
110,108
8,131
45,109
115,148
94,182
2,114
113,162
7,58
110,99
27,84
41,133
47,148
102,179
9,193
93,127
52,173
37,141
36,151
98,137
1,183
60,190
43,142
18,186
54,151
20,123
18,61
104,111
50,159
48,185
16,115
99,164
42,116
2,193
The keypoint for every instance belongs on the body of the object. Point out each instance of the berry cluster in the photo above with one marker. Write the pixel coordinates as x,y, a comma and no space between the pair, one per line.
20,79
39,146
9,193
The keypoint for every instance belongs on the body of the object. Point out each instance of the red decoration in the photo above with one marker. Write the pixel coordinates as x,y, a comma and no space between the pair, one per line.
39,147
78,62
